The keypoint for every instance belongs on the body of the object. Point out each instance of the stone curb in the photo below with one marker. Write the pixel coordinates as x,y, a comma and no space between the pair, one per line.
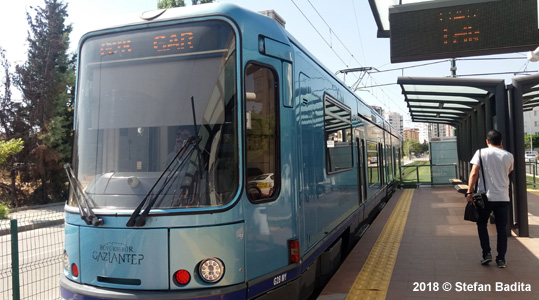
35,225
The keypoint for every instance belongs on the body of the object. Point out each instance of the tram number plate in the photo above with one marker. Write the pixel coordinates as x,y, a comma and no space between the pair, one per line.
279,278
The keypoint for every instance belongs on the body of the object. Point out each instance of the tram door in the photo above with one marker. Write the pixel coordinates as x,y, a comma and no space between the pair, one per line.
361,173
308,160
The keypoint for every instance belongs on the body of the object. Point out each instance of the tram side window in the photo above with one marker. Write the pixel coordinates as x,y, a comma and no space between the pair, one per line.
395,146
388,161
338,133
261,137
373,163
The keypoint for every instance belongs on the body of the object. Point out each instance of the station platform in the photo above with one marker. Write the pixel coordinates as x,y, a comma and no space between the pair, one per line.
420,247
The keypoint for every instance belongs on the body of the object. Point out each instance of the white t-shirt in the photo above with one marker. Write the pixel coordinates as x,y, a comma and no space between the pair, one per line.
497,164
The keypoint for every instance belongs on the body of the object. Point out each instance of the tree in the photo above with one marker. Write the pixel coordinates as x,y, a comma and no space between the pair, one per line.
47,83
425,147
195,2
162,4
534,141
411,146
12,124
8,148
13,128
5,98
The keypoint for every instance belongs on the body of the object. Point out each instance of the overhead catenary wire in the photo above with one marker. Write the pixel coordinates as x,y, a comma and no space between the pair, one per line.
413,66
359,32
331,47
523,68
499,73
458,59
383,91
317,31
332,31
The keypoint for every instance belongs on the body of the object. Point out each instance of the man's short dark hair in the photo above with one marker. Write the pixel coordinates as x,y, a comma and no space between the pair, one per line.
494,137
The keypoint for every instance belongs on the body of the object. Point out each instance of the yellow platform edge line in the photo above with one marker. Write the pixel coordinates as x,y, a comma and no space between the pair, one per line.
373,280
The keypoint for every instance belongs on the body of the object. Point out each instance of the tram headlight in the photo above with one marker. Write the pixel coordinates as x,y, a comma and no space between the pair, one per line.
133,181
211,269
66,261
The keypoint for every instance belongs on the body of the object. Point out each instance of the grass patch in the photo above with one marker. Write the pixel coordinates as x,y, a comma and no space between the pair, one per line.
529,182
410,172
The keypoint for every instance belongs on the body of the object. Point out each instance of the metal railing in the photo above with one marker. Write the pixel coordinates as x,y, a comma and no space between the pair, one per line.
422,173
531,174
31,252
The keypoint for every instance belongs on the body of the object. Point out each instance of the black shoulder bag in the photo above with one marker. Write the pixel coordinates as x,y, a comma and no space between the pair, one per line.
480,198
471,213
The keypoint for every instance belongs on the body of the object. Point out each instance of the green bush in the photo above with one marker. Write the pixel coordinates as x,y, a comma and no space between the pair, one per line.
4,211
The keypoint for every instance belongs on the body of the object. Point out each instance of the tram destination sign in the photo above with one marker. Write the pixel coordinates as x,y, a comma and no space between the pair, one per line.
458,28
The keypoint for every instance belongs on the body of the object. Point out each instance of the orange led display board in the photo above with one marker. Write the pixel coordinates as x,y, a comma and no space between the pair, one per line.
172,43
180,41
459,28
156,42
114,47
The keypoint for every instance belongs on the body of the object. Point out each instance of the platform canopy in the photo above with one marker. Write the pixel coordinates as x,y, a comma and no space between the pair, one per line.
445,100
473,107
530,91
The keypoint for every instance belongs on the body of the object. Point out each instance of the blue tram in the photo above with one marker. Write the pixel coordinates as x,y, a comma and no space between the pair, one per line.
215,158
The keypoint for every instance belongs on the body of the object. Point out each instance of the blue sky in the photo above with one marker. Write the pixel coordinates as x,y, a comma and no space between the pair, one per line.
341,34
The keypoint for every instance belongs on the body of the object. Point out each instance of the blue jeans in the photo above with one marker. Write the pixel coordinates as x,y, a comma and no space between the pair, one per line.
501,214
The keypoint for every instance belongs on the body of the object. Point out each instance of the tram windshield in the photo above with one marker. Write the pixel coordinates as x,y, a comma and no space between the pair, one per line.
141,95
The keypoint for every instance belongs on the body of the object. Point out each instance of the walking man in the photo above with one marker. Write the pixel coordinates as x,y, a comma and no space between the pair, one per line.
497,165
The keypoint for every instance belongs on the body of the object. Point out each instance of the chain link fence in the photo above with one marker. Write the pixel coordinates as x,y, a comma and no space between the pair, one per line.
39,252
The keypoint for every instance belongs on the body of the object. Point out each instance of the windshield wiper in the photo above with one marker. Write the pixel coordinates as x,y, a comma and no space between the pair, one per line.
180,158
184,154
86,212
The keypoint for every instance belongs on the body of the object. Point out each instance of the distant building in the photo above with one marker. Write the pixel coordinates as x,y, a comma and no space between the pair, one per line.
427,131
531,122
440,130
378,109
424,131
411,134
396,121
